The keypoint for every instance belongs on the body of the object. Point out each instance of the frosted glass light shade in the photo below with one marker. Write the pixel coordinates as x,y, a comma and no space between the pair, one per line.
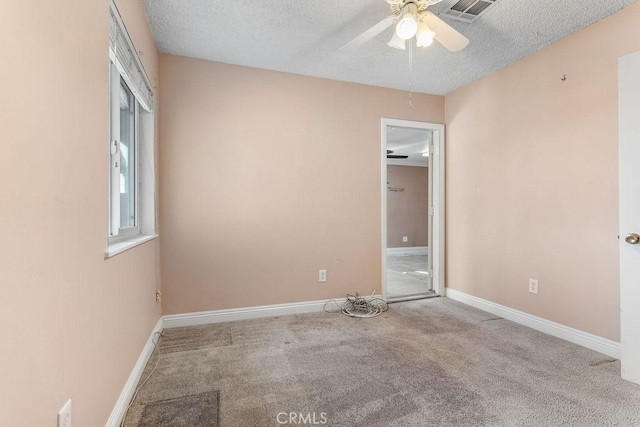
396,42
424,36
407,27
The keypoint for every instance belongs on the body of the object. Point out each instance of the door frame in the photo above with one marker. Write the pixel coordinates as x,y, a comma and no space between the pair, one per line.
437,208
628,152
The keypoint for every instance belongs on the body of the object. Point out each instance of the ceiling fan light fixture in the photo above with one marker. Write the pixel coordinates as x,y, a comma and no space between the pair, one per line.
424,36
408,26
397,43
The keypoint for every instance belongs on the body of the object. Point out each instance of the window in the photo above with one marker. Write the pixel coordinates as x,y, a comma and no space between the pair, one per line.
131,142
124,166
128,158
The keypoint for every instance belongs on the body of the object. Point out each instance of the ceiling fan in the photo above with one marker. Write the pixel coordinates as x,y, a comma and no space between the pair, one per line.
412,19
390,155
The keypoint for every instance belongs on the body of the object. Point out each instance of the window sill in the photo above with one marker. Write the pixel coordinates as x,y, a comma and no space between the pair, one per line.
119,247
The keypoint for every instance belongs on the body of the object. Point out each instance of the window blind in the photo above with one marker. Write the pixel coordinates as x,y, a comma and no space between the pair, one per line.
125,57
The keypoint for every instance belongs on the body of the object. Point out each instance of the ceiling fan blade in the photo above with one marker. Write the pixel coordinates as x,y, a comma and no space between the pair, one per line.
396,156
370,33
446,35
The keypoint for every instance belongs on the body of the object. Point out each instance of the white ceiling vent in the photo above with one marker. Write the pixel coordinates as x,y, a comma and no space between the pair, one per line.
468,10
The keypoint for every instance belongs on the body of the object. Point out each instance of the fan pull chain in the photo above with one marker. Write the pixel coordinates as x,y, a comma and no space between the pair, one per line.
410,74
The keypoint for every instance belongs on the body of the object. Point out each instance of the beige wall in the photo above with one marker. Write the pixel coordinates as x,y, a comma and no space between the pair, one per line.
532,180
408,210
73,324
268,177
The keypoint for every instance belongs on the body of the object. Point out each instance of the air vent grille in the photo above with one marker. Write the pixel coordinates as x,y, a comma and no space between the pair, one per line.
462,5
467,10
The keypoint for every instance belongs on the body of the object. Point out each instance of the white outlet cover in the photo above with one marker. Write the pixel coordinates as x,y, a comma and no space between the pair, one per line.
322,276
405,239
533,286
64,416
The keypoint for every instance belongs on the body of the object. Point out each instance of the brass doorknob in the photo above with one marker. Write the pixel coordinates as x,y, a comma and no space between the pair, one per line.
632,238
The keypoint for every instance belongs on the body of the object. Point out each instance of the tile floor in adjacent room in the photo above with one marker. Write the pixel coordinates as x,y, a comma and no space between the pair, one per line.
407,275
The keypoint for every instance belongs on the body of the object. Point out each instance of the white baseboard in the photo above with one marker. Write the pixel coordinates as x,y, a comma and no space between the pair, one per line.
234,314
584,339
408,251
204,318
119,410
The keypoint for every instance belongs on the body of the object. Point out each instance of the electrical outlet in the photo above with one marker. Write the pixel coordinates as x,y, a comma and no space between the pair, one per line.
322,276
533,286
64,416
158,296
405,239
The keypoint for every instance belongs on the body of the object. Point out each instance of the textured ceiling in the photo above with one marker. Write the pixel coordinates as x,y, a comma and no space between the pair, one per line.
303,37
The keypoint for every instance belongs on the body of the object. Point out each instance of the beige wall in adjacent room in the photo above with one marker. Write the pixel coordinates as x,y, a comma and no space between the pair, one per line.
268,177
532,180
407,210
73,323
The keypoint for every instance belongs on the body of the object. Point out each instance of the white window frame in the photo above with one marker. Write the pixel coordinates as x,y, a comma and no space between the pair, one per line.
125,66
117,233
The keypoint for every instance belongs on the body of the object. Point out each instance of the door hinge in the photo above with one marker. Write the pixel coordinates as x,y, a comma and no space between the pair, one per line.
432,211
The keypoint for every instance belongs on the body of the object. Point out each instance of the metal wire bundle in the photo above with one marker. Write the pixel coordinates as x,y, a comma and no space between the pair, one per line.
358,306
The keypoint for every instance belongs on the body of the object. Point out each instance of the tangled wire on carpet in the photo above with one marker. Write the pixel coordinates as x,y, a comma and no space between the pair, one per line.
358,306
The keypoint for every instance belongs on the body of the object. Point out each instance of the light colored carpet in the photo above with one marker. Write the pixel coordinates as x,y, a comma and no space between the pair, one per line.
431,362
406,275
186,411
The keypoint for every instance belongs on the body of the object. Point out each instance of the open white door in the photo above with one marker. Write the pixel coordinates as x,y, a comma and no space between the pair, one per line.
629,165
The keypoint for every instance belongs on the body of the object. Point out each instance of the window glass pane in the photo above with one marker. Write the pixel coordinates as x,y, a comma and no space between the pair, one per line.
127,158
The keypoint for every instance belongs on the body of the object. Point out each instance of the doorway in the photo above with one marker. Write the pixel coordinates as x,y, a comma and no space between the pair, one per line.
412,170
629,187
